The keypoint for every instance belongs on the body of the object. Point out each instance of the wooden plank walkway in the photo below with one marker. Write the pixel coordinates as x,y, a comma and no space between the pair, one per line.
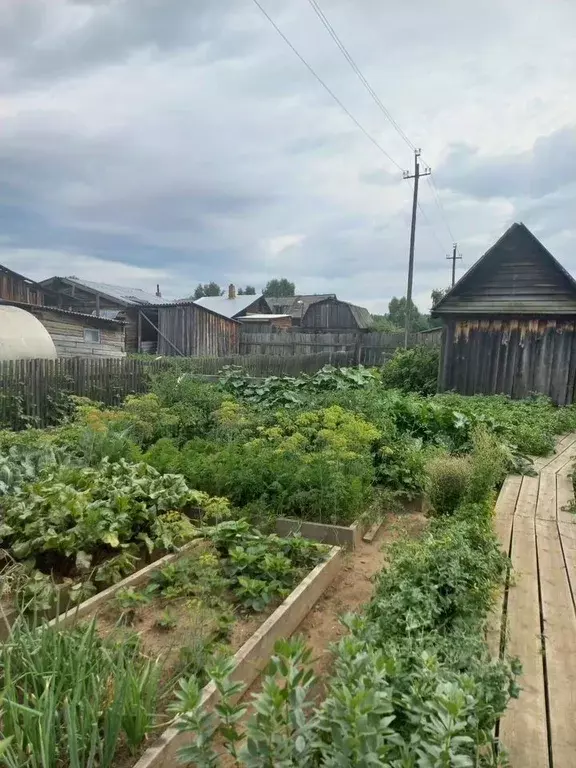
536,617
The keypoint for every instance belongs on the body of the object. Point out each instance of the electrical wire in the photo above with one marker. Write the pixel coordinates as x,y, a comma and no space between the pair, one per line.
347,55
326,87
323,18
438,200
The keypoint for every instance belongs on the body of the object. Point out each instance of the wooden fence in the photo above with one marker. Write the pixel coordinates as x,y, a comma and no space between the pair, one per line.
33,392
372,348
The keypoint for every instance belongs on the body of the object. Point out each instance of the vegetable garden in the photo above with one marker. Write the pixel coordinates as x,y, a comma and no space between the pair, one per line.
203,471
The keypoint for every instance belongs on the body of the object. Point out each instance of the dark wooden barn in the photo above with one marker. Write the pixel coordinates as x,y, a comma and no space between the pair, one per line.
185,329
331,314
509,325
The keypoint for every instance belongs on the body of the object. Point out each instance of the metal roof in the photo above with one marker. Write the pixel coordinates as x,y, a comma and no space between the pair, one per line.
226,307
127,296
296,306
60,311
256,318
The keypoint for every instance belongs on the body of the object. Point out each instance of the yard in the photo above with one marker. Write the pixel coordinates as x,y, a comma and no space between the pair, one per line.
162,514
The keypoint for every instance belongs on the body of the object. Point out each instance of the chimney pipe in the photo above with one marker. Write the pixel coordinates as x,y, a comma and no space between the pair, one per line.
158,294
231,291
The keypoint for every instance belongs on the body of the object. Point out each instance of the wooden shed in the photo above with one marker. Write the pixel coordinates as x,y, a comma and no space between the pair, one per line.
186,329
334,315
509,324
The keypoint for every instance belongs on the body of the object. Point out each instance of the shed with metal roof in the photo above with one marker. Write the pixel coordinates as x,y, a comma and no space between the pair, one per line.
509,324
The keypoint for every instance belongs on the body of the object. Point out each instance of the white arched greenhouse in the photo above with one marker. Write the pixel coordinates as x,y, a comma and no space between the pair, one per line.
22,336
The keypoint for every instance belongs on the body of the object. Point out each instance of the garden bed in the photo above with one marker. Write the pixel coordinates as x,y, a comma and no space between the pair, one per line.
253,656
347,536
171,620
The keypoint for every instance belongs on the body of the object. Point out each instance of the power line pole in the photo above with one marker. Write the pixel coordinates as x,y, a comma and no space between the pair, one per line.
454,258
416,176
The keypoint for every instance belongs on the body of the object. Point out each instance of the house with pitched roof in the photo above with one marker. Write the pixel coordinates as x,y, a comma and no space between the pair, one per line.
509,324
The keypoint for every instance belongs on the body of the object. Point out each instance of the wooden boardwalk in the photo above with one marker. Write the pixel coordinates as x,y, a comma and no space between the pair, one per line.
537,616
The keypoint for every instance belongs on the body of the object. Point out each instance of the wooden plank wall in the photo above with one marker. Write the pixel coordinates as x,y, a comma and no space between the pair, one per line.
372,348
193,330
515,357
67,332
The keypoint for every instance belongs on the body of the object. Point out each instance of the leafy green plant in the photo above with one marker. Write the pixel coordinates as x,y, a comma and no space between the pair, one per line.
413,370
129,600
260,568
166,621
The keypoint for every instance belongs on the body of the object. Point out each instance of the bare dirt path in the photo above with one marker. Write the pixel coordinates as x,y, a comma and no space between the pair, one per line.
352,588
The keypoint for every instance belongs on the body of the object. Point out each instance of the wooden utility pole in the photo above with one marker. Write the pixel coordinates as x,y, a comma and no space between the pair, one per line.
416,176
454,258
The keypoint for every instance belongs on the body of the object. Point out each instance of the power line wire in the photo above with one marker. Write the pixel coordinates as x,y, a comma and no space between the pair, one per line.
347,55
438,200
326,87
323,18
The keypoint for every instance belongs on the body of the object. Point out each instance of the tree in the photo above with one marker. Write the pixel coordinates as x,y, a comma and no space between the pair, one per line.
397,315
438,294
383,324
248,291
208,289
280,287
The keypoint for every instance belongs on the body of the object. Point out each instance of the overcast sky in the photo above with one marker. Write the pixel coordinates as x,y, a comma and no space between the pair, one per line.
179,141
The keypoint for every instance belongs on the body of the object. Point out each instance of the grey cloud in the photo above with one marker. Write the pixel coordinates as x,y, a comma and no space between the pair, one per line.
50,39
548,166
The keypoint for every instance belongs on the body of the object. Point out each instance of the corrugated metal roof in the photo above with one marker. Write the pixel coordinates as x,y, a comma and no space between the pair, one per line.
226,307
108,314
256,318
45,308
129,296
296,306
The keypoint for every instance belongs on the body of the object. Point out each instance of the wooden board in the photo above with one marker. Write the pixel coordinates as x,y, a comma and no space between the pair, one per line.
560,644
528,497
563,457
564,497
546,506
523,727
504,515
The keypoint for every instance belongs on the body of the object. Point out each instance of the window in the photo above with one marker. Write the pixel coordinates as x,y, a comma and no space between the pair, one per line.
92,335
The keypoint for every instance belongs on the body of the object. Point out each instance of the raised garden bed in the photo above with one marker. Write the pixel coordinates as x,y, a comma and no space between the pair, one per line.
253,656
347,536
220,595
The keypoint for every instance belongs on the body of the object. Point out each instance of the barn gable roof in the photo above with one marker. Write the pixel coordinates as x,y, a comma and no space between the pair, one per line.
517,275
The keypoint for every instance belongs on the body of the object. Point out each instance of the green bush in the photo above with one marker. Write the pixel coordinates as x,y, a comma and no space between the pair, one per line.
488,462
447,482
413,370
191,402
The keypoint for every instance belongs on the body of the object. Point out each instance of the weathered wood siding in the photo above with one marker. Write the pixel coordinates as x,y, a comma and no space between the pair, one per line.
516,276
14,287
190,330
67,332
329,314
372,348
512,356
